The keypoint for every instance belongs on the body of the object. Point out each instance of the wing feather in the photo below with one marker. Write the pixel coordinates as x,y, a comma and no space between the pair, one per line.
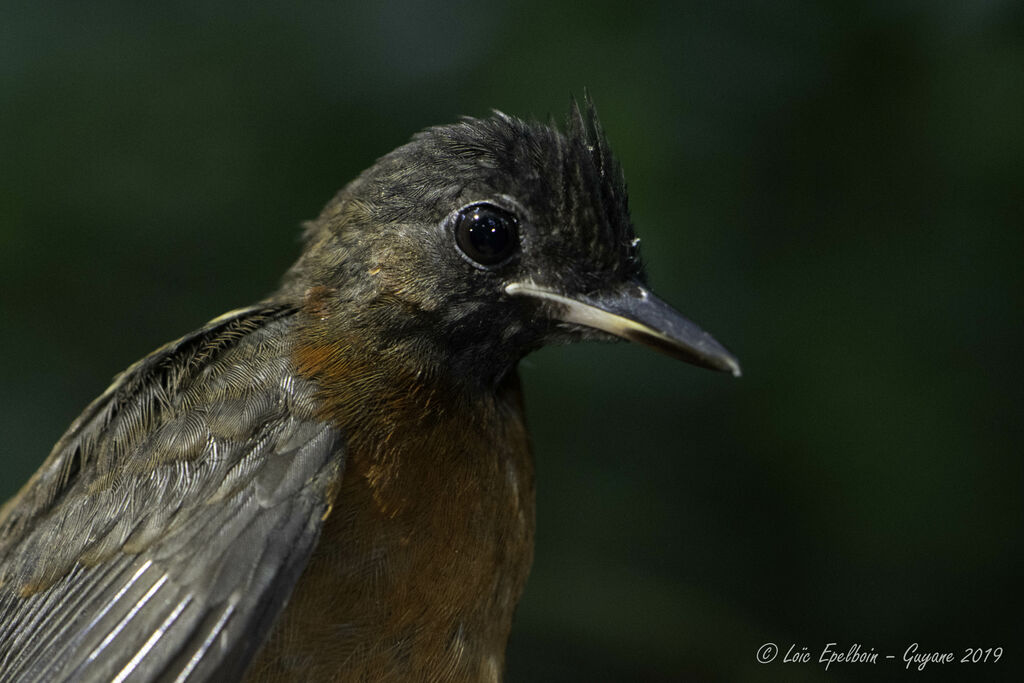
166,530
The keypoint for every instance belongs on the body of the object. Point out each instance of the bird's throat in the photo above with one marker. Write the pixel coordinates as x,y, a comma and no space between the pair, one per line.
430,539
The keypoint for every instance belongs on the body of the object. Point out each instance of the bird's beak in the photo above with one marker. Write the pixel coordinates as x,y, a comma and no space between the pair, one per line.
634,313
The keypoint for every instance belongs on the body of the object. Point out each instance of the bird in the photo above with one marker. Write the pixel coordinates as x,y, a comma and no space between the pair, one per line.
336,483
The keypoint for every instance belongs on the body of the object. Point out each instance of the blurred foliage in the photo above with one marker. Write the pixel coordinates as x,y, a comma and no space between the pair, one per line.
833,189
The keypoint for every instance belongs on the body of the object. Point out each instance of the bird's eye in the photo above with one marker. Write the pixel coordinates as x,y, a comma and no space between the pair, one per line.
486,234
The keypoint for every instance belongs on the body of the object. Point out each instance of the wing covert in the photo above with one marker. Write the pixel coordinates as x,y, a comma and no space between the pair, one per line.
164,533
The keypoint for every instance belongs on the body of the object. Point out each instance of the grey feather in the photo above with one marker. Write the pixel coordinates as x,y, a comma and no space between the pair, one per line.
165,531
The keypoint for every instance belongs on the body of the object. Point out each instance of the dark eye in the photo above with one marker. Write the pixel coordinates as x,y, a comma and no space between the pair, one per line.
486,234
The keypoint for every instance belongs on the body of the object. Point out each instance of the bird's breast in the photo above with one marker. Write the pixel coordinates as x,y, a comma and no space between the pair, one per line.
429,539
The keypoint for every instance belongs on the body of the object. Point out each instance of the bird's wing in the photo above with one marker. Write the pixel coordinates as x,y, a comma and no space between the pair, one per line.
167,528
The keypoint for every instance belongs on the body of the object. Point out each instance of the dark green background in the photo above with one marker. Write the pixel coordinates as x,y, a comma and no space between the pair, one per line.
833,189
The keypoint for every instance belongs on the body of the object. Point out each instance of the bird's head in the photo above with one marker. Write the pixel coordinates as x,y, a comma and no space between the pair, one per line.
478,242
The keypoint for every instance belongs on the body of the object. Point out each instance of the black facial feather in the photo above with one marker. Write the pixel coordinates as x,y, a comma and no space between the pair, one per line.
592,176
384,245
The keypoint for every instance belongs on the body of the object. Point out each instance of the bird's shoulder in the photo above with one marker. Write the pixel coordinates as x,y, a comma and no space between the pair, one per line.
210,443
